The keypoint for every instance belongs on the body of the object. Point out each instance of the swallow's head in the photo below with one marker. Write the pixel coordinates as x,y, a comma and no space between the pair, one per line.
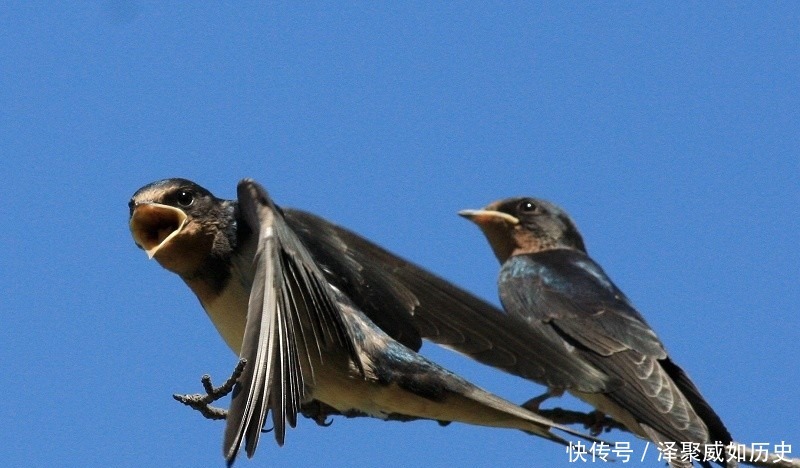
180,224
524,225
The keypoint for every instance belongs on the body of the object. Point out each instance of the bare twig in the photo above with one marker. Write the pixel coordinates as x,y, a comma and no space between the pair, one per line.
750,456
594,421
319,412
740,452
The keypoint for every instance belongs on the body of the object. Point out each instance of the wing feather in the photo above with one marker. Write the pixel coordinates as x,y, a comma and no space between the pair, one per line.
289,301
564,293
409,303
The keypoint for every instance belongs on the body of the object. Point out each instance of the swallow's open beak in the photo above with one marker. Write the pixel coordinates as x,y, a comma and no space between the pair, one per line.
485,217
153,225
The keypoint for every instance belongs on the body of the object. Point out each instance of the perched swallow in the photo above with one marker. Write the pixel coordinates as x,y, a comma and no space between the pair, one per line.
299,323
567,302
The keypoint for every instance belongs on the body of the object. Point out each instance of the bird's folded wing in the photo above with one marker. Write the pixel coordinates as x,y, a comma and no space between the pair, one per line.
566,290
564,293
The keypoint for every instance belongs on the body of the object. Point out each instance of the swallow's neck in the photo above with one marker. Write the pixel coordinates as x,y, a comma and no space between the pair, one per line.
500,240
226,307
223,284
223,292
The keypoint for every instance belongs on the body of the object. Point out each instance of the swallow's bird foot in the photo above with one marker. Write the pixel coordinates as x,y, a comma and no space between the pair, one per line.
202,402
319,412
597,423
534,403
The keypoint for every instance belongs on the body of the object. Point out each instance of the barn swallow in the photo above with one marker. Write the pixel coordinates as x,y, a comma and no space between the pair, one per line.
299,324
566,301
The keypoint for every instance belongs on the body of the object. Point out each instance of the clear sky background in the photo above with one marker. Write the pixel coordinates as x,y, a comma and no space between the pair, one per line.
669,133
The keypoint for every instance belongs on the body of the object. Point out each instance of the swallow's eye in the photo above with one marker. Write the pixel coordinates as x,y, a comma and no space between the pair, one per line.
527,206
184,198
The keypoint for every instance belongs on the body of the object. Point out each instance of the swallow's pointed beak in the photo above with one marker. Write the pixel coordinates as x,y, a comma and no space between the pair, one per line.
486,216
153,225
498,227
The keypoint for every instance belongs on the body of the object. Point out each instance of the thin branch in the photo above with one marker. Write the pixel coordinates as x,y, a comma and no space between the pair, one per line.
740,452
750,456
593,421
596,422
319,412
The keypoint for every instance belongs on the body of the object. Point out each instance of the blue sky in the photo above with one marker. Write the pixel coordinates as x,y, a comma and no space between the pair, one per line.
670,135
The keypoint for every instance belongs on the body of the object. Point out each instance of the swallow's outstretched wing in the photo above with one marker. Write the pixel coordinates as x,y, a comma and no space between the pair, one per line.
566,296
410,303
291,314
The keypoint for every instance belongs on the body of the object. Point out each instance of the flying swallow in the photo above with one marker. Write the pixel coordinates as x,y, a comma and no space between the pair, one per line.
566,301
306,338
